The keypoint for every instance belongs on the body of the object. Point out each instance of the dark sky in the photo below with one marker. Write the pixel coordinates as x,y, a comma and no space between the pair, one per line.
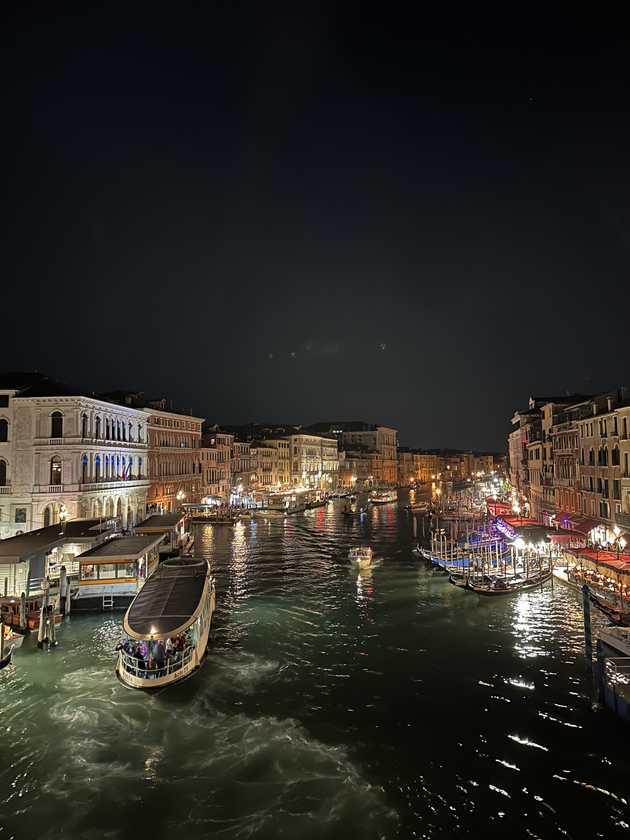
303,212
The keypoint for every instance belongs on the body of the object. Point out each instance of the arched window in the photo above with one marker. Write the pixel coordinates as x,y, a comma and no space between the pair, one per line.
3,473
107,428
117,429
97,430
84,425
591,457
56,425
47,517
97,468
4,430
140,467
139,433
107,466
615,457
84,469
55,471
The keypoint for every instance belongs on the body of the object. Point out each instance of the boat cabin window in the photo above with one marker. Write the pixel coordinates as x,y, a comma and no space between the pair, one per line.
108,571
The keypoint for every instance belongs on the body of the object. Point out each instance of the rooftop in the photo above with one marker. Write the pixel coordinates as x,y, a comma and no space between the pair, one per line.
121,548
25,545
157,521
168,600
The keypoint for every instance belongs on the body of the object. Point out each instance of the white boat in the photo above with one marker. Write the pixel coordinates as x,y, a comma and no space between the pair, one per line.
383,497
167,625
361,556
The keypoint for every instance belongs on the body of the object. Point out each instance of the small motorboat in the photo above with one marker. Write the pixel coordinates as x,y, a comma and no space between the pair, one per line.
361,556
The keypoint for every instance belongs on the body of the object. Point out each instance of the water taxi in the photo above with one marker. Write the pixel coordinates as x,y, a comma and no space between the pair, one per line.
361,556
167,625
383,497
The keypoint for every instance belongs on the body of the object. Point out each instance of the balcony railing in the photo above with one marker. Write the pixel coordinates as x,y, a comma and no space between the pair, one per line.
5,490
55,441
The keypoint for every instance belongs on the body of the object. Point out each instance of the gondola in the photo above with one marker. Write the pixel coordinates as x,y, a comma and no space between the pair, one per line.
621,619
506,586
458,579
6,659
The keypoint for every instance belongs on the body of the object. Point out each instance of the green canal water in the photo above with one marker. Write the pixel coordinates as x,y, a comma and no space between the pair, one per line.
331,705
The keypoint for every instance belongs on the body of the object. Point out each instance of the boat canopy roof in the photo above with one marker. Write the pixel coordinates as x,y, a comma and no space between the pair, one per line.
169,601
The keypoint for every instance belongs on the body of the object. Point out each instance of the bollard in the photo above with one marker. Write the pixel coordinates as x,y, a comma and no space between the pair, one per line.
23,611
68,599
588,642
42,637
63,582
599,676
41,633
52,630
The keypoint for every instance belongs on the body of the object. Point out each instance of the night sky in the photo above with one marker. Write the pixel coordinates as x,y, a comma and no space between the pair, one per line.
299,212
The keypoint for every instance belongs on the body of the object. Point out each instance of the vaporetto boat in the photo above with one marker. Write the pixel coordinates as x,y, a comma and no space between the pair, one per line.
167,625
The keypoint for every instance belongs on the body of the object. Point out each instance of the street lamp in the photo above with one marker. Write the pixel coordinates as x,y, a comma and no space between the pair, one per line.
180,497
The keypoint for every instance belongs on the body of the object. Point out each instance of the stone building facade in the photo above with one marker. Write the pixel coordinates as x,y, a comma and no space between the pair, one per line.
68,456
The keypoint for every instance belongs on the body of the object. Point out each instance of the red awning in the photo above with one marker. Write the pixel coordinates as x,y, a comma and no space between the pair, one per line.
519,521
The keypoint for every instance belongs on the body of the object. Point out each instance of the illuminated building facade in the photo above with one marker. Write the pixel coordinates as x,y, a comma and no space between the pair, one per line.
64,455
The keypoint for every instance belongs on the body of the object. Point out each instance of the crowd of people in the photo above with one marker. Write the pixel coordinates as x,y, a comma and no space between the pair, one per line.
157,657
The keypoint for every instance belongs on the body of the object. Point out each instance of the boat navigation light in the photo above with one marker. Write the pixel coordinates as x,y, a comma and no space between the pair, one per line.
153,630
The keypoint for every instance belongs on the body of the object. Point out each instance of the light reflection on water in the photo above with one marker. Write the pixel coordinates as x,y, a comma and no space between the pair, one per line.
332,704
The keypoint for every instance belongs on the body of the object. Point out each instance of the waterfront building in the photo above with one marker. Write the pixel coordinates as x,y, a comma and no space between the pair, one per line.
623,425
67,455
314,461
281,461
174,440
263,460
216,463
577,456
241,465
378,443
406,467
600,464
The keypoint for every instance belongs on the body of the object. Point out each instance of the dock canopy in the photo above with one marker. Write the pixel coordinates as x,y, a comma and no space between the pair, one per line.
160,523
120,549
169,601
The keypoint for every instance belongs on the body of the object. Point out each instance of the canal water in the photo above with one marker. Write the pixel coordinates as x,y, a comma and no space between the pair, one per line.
331,705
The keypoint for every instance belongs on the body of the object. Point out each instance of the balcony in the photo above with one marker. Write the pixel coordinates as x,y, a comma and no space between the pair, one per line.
5,490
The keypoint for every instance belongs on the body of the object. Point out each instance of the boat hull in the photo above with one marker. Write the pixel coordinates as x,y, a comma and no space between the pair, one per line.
6,659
